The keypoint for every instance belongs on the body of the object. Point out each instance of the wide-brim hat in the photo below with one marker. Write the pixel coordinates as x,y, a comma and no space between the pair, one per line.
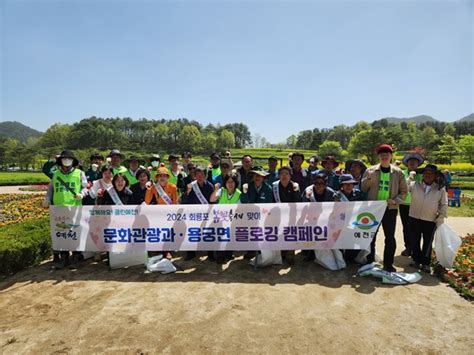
155,157
115,152
347,179
173,157
355,161
259,171
410,156
96,156
67,154
330,158
431,167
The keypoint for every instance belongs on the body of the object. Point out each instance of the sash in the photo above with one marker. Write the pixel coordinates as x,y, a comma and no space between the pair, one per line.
163,194
114,195
66,186
198,193
343,197
276,191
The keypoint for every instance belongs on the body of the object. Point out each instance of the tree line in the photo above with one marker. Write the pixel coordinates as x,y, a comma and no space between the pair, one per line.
440,141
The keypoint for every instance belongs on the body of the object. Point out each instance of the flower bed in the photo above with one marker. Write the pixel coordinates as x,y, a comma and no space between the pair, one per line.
461,276
16,208
34,188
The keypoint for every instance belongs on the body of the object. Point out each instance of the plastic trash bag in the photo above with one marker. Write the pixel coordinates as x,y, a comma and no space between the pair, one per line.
447,243
331,259
119,260
393,278
159,264
267,258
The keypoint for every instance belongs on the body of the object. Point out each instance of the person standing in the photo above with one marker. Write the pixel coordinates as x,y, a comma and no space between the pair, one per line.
329,165
228,194
412,161
68,187
116,162
162,193
131,173
298,174
428,210
243,173
140,188
385,182
286,190
272,170
198,192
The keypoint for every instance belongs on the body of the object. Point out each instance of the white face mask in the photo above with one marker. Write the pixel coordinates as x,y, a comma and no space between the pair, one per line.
155,164
67,162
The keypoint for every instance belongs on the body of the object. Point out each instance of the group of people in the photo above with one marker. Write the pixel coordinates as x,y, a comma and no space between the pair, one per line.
419,194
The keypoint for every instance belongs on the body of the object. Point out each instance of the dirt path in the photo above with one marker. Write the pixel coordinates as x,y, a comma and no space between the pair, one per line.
206,309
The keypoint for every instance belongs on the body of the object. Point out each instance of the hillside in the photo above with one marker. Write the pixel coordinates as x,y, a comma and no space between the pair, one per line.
17,130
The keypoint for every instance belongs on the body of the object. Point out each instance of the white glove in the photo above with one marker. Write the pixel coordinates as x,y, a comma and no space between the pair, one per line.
245,188
296,187
78,197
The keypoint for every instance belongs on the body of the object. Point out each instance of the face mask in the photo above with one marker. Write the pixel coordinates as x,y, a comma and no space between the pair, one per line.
66,162
155,164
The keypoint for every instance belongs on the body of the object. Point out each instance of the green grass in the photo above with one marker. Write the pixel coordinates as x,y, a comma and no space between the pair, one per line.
22,178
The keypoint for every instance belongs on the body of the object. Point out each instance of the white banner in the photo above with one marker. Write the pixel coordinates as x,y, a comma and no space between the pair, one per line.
273,226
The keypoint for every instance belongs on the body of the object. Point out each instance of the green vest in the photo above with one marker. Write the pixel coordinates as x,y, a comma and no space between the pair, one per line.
418,178
224,199
131,178
120,169
384,186
174,178
215,173
63,197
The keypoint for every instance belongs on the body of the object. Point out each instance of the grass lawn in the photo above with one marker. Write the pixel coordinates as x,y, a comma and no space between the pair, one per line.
22,178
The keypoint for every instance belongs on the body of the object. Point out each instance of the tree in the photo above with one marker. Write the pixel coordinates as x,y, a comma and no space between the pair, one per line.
363,144
341,134
304,139
226,139
466,146
331,148
446,150
427,138
208,143
190,138
58,135
449,129
291,141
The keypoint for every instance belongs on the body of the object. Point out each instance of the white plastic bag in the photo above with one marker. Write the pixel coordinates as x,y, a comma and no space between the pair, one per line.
127,258
447,243
159,264
331,259
267,258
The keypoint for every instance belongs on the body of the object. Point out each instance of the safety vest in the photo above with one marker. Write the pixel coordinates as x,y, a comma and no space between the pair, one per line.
63,197
131,178
384,186
120,169
224,199
173,179
418,178
215,173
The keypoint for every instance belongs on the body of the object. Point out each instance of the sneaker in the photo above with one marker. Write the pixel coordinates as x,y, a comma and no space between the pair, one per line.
406,252
426,268
249,255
